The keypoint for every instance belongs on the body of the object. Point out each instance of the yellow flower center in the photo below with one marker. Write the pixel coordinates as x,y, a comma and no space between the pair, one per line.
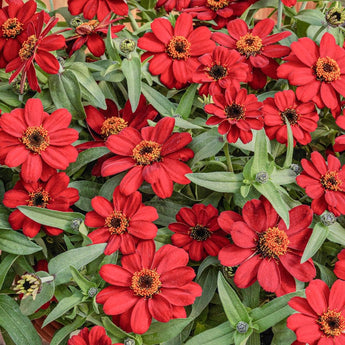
249,45
147,152
332,323
87,27
11,28
331,181
235,111
146,283
36,139
216,5
178,48
39,198
273,243
327,69
28,48
117,223
113,125
290,115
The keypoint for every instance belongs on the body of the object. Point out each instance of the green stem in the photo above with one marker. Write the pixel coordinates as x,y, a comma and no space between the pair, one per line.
318,33
51,3
280,14
123,90
228,158
303,6
133,21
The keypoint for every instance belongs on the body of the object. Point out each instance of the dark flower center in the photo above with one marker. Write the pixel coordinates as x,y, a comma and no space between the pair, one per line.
28,48
178,48
216,5
200,233
235,111
39,198
272,243
113,125
11,28
147,152
36,139
87,28
327,69
218,72
332,323
249,45
290,115
146,283
331,181
117,223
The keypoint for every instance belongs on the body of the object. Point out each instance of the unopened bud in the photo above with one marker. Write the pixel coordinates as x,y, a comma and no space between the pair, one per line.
262,177
75,224
335,16
242,327
328,218
127,45
76,21
129,341
92,292
295,168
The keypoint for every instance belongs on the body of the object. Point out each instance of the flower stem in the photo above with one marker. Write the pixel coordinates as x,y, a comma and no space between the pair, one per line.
280,15
133,21
51,3
318,32
304,5
228,158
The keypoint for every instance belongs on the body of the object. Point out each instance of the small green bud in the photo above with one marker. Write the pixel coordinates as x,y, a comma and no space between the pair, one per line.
75,224
335,16
76,21
295,168
242,327
262,177
92,292
328,218
129,341
127,45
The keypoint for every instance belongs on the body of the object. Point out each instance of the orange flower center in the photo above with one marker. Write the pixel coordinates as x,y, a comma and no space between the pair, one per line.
36,139
178,48
332,323
218,72
235,111
273,243
331,181
87,28
146,283
28,48
200,233
216,5
113,125
290,115
147,152
117,223
327,69
39,198
11,28
249,45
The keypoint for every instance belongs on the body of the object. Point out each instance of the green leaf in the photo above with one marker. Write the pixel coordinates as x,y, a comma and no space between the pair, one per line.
326,274
84,284
336,234
64,332
179,122
160,332
260,160
224,182
65,92
4,213
185,105
282,334
79,257
6,263
241,338
158,101
109,186
282,176
313,17
273,312
15,243
114,330
18,326
315,242
220,335
87,191
57,219
233,307
132,71
63,307
29,305
86,157
289,152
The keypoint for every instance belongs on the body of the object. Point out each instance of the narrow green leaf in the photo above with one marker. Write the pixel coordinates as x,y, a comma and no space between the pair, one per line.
289,151
336,234
282,176
233,307
316,240
326,274
15,243
64,332
79,257
63,307
185,106
82,282
224,182
114,330
132,71
4,213
57,219
241,338
181,123
282,334
87,191
314,17
6,264
18,326
260,160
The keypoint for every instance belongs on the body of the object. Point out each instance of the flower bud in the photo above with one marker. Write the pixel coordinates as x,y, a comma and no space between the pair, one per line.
261,177
76,21
92,292
29,284
335,16
75,224
129,341
328,218
127,45
295,168
242,327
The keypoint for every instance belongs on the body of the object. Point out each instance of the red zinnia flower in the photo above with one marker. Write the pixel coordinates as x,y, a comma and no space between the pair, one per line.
39,142
36,49
237,114
302,117
101,8
53,194
339,268
198,232
154,155
121,223
257,46
265,249
317,71
325,183
321,317
14,19
95,336
221,69
289,3
92,33
175,50
148,285
170,5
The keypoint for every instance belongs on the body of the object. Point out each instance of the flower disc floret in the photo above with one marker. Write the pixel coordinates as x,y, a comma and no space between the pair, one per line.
216,5
147,152
332,323
87,27
113,125
36,139
200,233
39,198
327,69
249,45
12,28
290,115
117,222
146,283
28,48
235,111
273,243
331,181
179,48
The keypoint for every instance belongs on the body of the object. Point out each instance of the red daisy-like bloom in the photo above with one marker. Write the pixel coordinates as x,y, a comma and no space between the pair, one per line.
176,50
321,317
257,46
92,33
153,155
14,20
53,194
319,72
284,106
36,49
101,8
148,285
170,5
95,336
198,232
221,11
121,223
37,141
325,183
237,113
339,268
289,3
265,250
221,69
